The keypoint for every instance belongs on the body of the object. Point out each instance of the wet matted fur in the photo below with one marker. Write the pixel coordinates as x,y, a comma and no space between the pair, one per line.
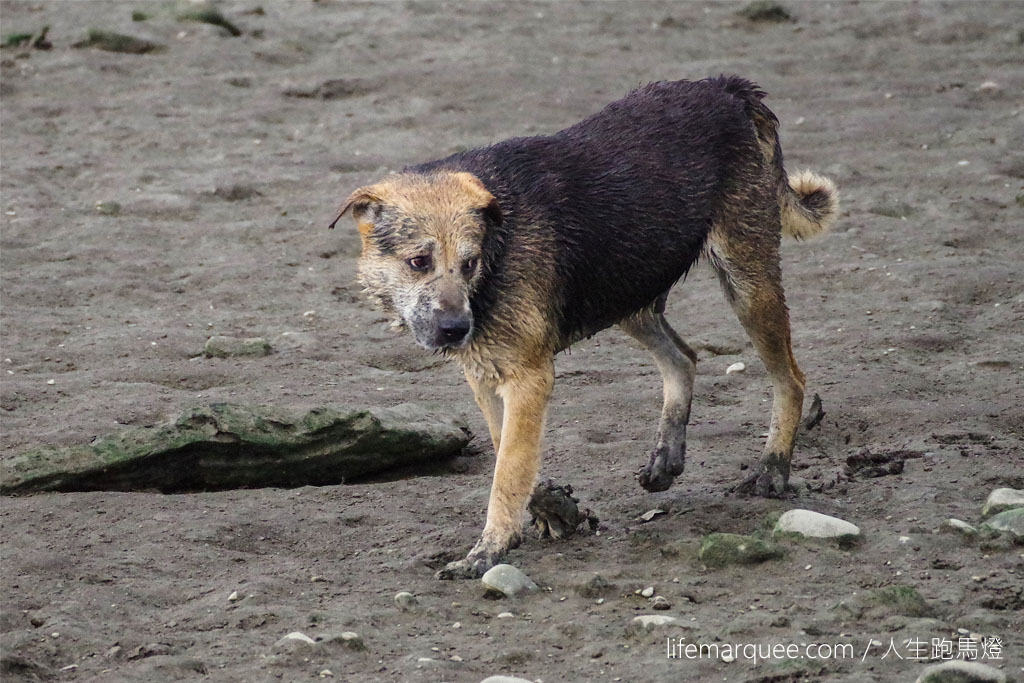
505,255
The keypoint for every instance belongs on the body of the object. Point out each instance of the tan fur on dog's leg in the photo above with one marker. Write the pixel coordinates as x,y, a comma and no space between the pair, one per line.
491,406
515,471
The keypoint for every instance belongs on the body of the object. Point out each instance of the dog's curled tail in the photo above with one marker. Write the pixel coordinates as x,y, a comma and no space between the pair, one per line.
810,205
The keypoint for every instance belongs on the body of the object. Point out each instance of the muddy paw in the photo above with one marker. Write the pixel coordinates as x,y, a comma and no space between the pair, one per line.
664,466
460,569
768,480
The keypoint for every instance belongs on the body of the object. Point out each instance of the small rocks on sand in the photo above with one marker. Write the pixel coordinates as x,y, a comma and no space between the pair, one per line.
232,347
505,580
1002,500
961,672
816,525
406,601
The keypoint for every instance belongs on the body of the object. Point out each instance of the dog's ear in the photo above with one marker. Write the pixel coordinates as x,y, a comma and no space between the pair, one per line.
480,196
358,202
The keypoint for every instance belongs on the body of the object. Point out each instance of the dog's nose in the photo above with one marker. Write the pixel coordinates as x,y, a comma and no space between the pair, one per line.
453,329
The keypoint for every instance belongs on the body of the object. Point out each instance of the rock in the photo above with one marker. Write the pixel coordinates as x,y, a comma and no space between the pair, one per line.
506,580
505,679
1002,500
224,446
206,13
406,601
595,587
117,42
660,603
956,671
506,615
1009,522
295,639
233,347
888,601
650,621
766,11
735,367
348,640
989,88
651,514
956,526
647,592
816,525
720,550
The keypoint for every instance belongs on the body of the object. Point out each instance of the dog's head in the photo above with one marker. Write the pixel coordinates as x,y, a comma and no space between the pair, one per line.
422,260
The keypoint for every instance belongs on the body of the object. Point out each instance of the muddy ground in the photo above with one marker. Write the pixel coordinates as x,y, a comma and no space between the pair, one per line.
153,200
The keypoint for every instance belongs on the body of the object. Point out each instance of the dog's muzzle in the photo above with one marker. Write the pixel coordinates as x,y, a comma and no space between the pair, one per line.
452,329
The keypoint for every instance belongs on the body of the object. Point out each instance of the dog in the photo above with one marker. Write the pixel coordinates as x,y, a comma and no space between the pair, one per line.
503,256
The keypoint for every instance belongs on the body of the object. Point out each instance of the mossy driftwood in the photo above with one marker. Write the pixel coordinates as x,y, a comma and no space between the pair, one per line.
225,446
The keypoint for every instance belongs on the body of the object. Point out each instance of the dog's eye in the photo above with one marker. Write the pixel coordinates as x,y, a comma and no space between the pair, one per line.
419,263
469,267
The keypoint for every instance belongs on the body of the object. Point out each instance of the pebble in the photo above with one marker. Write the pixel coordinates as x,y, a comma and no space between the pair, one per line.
326,673
1002,500
405,600
506,615
506,580
505,679
989,87
958,526
234,597
735,367
594,587
660,603
651,514
647,592
961,672
815,525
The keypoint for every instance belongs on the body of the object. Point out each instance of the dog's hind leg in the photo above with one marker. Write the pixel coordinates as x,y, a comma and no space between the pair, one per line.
678,365
748,268
526,395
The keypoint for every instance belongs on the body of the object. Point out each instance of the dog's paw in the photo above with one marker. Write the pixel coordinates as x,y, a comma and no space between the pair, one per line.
460,569
769,480
664,465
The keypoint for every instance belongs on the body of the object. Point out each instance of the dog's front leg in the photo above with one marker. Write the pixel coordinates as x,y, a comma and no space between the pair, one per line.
518,461
486,394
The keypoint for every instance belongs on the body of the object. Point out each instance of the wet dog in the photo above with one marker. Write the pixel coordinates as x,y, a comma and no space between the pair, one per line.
503,256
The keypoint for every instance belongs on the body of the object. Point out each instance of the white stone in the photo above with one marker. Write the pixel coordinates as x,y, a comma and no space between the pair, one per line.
293,639
1001,500
234,597
651,514
647,592
814,525
405,600
958,526
505,679
649,621
961,672
735,367
507,580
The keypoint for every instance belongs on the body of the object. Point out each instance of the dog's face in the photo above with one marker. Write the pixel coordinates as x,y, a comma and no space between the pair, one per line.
422,246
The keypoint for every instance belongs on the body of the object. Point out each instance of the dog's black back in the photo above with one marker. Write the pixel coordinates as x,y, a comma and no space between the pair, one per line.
621,202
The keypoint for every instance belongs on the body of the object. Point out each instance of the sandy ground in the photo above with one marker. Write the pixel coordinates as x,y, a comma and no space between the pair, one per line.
150,201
